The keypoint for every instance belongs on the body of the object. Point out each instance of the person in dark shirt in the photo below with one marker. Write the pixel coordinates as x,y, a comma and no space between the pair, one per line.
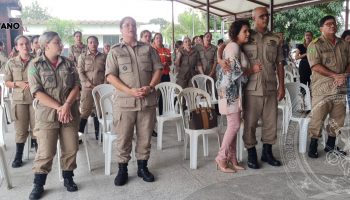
304,67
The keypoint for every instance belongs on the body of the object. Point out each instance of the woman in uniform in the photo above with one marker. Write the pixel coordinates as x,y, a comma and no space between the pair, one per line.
77,48
187,62
16,77
54,82
207,53
91,68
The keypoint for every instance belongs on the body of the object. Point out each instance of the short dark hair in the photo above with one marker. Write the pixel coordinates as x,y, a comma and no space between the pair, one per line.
77,32
33,38
220,41
324,19
144,32
92,36
236,27
178,44
345,33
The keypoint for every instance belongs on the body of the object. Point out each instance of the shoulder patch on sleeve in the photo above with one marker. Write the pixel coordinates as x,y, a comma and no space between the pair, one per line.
315,40
32,70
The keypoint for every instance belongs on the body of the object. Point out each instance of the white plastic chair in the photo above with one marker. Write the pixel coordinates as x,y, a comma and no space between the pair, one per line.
3,124
101,90
284,106
288,77
298,106
193,96
106,103
5,102
81,136
294,70
169,92
200,81
4,172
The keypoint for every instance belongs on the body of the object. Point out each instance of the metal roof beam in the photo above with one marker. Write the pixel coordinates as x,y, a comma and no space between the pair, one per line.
259,2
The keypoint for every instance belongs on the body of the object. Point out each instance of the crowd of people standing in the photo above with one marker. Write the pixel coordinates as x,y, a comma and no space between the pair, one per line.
248,70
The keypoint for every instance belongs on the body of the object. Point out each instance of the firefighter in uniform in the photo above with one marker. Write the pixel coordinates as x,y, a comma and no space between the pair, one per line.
329,58
91,68
16,77
134,69
76,49
261,93
55,83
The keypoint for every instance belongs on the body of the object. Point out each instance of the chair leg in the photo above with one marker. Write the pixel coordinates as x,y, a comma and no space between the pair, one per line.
283,120
179,130
27,148
240,145
205,145
2,133
185,145
160,135
193,150
108,155
302,136
4,169
133,149
100,132
59,161
286,125
86,151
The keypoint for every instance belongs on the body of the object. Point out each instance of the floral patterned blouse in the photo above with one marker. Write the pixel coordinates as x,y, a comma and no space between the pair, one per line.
229,85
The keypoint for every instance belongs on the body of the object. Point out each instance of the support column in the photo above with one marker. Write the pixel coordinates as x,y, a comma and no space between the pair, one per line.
172,25
271,14
347,15
208,16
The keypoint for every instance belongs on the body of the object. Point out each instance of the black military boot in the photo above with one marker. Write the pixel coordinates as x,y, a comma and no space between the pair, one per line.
143,172
253,158
19,154
122,176
68,181
97,127
38,190
268,157
313,148
330,145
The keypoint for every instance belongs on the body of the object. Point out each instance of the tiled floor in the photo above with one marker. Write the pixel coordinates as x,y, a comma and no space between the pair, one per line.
299,178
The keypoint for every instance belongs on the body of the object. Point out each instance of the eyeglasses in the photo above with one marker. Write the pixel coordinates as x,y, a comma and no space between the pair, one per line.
127,25
267,15
329,24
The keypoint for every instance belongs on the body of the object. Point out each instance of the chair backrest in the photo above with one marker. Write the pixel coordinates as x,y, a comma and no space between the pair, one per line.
98,92
200,81
169,92
288,77
300,97
193,98
106,105
4,90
